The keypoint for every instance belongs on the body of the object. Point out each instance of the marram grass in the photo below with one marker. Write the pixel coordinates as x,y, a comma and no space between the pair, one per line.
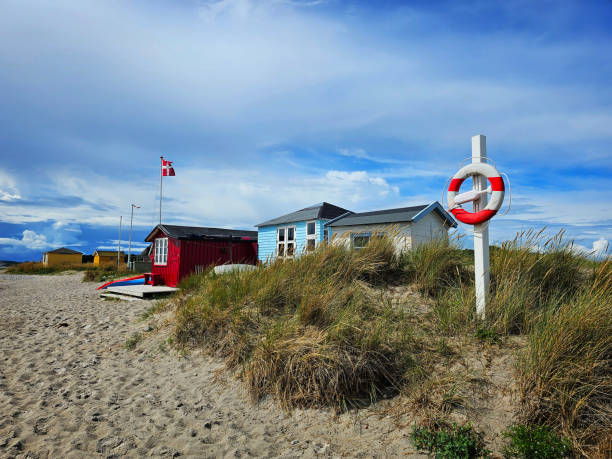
313,332
307,331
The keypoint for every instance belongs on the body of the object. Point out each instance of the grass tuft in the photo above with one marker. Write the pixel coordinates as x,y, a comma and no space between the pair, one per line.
436,265
104,273
309,331
527,274
133,340
566,371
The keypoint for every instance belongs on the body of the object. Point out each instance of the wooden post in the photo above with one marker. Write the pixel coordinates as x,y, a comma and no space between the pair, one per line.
481,232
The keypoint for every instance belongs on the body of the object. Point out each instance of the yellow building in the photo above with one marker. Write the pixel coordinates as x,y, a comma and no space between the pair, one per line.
62,256
106,257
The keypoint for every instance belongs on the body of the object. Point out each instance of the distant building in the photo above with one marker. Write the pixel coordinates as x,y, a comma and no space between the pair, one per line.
62,256
106,257
408,226
179,251
291,234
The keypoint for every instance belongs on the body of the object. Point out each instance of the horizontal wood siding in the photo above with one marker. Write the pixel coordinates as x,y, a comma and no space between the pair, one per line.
300,237
266,243
430,227
321,230
400,232
169,272
267,238
55,259
195,253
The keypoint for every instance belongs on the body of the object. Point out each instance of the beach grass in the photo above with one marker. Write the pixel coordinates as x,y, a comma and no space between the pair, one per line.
105,273
320,331
308,331
31,267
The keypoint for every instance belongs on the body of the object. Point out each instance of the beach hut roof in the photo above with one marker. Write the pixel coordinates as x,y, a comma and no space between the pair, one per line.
105,253
200,232
65,251
397,215
322,210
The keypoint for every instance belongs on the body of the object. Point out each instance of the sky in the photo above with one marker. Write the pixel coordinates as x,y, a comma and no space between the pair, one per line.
269,106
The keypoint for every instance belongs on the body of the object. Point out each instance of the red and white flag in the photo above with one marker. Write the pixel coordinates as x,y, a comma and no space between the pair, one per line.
167,169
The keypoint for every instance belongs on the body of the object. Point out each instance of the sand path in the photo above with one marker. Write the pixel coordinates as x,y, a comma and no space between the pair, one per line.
70,388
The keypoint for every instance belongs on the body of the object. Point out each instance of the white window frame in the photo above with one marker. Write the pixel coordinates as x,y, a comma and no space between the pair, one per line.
286,241
365,234
311,237
161,251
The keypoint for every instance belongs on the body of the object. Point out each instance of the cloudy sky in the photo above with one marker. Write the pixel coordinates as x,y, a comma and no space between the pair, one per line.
266,107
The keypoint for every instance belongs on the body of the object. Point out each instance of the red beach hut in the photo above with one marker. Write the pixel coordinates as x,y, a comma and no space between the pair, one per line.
179,251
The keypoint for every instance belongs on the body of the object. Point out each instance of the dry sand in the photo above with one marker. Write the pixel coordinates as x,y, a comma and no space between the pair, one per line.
70,388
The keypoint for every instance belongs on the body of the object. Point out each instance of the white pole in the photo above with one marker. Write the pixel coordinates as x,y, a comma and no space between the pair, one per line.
161,175
119,248
481,232
130,246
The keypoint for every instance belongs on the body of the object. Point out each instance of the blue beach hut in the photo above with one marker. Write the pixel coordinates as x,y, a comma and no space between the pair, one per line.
292,234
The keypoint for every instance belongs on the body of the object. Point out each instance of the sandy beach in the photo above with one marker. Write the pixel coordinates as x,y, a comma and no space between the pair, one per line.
70,388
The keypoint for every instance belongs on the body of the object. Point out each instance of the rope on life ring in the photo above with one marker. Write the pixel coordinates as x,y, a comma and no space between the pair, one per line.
497,193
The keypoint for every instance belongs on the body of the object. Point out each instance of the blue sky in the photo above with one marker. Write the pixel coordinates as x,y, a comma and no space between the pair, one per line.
266,107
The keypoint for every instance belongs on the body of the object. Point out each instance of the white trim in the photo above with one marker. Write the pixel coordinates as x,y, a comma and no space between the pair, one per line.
286,241
311,237
160,253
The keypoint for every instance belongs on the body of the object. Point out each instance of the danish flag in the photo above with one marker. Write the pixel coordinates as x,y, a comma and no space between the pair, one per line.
167,169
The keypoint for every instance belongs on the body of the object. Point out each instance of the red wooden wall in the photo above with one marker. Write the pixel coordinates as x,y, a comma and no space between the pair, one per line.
205,253
185,255
170,272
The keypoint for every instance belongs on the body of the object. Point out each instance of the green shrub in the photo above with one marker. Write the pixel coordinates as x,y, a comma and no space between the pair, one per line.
488,335
535,442
449,441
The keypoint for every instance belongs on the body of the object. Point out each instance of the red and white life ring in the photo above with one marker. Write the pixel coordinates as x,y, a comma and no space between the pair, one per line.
495,201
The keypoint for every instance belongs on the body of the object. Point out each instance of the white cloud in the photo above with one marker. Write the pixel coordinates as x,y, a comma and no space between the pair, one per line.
137,246
274,72
8,187
239,75
601,246
29,240
355,153
600,249
224,197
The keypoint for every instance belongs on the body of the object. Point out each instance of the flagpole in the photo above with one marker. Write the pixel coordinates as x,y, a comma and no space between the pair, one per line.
161,169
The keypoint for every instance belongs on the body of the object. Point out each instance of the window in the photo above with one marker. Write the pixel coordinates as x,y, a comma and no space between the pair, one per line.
311,236
161,251
285,241
360,240
326,235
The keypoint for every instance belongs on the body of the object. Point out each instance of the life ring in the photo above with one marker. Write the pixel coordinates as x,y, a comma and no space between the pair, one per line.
495,201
